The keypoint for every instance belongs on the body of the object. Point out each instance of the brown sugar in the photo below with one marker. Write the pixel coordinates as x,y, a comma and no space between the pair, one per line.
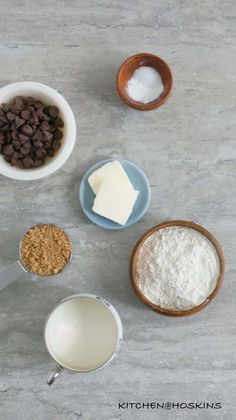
45,250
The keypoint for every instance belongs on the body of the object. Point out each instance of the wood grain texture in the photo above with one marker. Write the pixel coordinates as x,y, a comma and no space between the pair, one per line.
186,148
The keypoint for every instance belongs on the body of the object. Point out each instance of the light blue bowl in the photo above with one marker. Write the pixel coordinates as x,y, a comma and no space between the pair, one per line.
140,183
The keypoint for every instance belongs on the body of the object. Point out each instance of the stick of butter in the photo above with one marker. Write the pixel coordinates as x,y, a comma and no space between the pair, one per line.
112,170
115,200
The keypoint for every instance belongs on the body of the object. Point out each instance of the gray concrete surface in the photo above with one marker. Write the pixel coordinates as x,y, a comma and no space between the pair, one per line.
187,149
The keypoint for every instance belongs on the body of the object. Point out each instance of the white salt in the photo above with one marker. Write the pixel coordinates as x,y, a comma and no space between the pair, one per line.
145,85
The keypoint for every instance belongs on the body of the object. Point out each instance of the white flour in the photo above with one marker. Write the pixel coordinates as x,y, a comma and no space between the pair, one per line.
177,268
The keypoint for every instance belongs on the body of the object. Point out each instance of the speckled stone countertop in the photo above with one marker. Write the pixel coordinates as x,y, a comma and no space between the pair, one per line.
186,148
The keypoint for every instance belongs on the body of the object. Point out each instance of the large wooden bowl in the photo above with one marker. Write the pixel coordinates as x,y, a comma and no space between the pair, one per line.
126,71
133,268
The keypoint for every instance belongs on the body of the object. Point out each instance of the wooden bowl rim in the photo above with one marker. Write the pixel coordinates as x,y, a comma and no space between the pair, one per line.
208,300
154,104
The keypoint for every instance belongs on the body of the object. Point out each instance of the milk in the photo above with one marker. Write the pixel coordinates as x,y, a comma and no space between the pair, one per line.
81,334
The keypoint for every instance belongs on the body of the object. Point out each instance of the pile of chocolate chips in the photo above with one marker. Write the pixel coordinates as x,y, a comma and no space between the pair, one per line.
30,131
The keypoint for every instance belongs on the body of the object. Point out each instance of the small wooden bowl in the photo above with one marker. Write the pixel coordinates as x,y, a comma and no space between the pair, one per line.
133,269
126,71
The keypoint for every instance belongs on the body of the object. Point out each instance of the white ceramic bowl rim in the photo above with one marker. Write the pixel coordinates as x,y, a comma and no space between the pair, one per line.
47,94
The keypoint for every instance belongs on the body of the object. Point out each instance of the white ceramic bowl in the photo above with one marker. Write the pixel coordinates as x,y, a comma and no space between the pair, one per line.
51,97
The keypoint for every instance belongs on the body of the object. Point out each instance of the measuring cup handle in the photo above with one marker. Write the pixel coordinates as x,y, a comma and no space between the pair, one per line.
11,273
54,374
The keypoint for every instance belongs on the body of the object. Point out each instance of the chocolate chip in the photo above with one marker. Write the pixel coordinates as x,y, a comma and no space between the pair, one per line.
38,162
15,109
27,145
53,111
47,136
57,135
25,114
28,162
13,161
34,128
39,105
41,153
53,128
56,145
19,101
39,113
34,120
19,164
23,138
2,137
30,100
8,150
30,108
19,121
8,137
14,135
17,155
3,119
24,151
38,144
5,107
44,126
27,130
10,116
47,145
58,122
50,152
16,144
45,117
6,128
37,136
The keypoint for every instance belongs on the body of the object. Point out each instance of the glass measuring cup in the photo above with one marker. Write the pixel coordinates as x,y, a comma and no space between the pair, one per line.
16,269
